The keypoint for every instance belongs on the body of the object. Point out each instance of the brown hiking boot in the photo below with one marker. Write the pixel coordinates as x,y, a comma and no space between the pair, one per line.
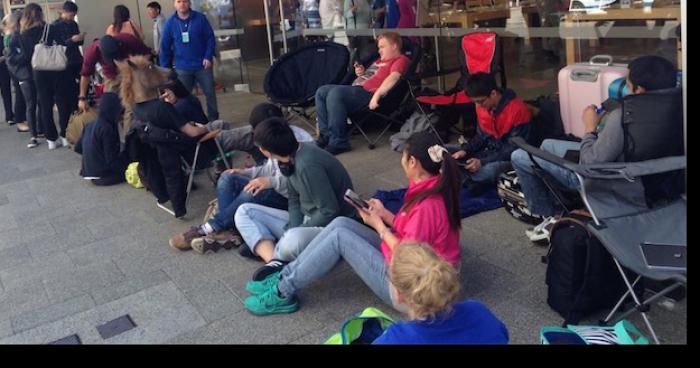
184,241
214,242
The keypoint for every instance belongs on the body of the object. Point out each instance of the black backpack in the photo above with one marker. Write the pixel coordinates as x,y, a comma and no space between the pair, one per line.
582,277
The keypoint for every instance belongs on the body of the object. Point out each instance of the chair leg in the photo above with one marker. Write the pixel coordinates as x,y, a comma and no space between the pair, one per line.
191,179
221,152
373,144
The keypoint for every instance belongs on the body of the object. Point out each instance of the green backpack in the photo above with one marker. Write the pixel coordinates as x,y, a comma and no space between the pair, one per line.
362,328
622,333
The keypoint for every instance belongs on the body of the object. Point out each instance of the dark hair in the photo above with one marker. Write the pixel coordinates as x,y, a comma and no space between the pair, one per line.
121,15
652,72
480,84
417,146
32,16
154,5
276,136
70,7
263,111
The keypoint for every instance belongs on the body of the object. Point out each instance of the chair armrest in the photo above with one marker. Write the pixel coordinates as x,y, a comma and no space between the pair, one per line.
210,135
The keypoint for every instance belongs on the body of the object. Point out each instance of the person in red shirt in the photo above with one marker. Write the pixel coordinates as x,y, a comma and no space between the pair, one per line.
501,115
104,51
335,102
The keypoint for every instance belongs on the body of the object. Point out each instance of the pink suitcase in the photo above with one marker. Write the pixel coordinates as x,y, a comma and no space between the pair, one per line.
584,84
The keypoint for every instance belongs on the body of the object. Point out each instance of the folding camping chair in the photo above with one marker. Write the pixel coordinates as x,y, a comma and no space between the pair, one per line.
640,201
389,104
478,52
293,79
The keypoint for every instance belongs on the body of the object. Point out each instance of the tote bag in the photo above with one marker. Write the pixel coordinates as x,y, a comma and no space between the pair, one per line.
49,57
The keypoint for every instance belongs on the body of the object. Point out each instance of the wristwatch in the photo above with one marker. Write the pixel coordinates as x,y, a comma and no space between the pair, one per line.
82,98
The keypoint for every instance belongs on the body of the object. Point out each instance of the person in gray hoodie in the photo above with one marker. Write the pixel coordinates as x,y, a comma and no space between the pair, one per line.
263,184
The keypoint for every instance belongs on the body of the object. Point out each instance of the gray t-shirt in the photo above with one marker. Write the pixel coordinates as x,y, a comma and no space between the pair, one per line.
608,146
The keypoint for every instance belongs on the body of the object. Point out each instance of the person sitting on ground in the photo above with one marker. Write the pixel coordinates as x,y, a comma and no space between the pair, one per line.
430,214
428,287
603,142
501,115
335,102
103,161
316,182
264,185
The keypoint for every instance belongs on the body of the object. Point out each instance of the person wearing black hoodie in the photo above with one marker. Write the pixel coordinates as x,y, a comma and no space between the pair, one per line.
67,100
103,160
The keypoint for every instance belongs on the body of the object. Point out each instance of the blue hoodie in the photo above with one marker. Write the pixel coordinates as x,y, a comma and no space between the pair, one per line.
99,142
190,55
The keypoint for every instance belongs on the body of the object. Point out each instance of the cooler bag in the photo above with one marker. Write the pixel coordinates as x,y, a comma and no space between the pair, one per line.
513,198
585,84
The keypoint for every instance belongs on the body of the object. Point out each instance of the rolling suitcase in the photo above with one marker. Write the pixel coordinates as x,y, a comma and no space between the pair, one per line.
514,200
585,84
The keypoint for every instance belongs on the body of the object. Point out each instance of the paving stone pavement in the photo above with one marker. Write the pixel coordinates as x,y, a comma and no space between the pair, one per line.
74,256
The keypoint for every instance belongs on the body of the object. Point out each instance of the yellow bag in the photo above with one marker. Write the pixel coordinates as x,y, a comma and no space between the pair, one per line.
78,121
132,175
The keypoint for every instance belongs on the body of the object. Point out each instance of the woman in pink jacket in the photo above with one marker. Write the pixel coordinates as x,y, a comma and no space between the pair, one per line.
430,214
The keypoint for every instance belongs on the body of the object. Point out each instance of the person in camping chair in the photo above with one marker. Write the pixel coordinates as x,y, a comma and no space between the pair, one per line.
335,102
501,115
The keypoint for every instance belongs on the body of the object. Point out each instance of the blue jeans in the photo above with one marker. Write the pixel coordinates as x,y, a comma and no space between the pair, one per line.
205,79
333,104
230,195
488,173
257,223
538,197
343,238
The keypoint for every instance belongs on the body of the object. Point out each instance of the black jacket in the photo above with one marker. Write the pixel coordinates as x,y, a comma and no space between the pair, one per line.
66,31
22,45
99,142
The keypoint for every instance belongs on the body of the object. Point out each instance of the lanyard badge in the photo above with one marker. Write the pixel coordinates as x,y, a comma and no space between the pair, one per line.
185,37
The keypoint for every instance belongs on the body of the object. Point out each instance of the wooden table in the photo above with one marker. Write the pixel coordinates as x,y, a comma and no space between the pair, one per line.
672,13
467,19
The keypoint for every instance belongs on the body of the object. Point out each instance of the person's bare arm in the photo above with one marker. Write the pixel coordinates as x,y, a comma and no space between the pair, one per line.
84,83
192,129
389,82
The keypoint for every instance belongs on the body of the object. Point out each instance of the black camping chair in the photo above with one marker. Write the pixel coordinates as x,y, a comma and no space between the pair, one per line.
639,203
389,105
293,79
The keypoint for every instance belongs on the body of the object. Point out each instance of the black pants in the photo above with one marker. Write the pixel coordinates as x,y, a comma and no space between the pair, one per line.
6,91
29,92
67,98
46,90
20,110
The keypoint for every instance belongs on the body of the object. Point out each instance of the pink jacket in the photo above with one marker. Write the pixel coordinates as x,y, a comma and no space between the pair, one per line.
426,222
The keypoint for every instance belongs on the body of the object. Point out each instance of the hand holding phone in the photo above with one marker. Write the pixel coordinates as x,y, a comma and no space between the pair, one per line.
355,200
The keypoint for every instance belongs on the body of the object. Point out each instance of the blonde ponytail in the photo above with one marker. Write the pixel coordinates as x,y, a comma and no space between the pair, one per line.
427,284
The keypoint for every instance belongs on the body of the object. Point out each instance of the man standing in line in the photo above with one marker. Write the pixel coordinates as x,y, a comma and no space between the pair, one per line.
154,9
188,36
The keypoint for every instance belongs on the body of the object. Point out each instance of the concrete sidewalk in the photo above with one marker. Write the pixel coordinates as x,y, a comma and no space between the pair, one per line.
74,256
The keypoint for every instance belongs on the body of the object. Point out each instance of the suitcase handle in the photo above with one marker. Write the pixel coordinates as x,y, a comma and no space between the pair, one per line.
608,58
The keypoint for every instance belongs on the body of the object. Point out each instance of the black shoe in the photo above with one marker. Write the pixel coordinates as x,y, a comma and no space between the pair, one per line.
322,141
333,150
271,267
245,251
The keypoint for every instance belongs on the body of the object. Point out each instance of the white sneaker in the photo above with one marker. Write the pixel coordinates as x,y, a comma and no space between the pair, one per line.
541,231
53,144
64,142
33,142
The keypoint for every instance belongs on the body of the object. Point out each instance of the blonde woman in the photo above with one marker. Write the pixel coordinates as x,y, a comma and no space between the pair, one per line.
428,287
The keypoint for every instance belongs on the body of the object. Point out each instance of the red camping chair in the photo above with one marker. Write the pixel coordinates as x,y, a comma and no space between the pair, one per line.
480,52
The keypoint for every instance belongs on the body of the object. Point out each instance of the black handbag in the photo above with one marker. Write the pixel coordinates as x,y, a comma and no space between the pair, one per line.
18,72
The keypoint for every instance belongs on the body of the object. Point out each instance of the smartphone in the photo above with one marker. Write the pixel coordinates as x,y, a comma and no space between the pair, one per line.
354,199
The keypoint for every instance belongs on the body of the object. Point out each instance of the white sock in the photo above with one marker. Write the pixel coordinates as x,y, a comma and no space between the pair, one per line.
207,229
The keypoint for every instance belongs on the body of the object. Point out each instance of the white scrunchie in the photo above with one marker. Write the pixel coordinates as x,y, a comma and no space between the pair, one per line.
435,153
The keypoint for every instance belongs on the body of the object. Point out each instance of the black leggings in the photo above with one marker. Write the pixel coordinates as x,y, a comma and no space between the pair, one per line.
29,92
6,91
67,99
46,89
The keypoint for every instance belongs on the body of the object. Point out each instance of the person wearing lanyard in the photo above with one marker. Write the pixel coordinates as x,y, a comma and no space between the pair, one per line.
188,36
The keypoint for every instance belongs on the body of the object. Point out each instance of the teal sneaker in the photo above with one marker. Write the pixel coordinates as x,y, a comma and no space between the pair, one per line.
270,303
259,287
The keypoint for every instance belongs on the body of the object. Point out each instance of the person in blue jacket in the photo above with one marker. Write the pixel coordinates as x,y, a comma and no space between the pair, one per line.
188,36
427,287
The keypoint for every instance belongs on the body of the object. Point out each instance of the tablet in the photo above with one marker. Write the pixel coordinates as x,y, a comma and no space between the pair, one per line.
669,257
